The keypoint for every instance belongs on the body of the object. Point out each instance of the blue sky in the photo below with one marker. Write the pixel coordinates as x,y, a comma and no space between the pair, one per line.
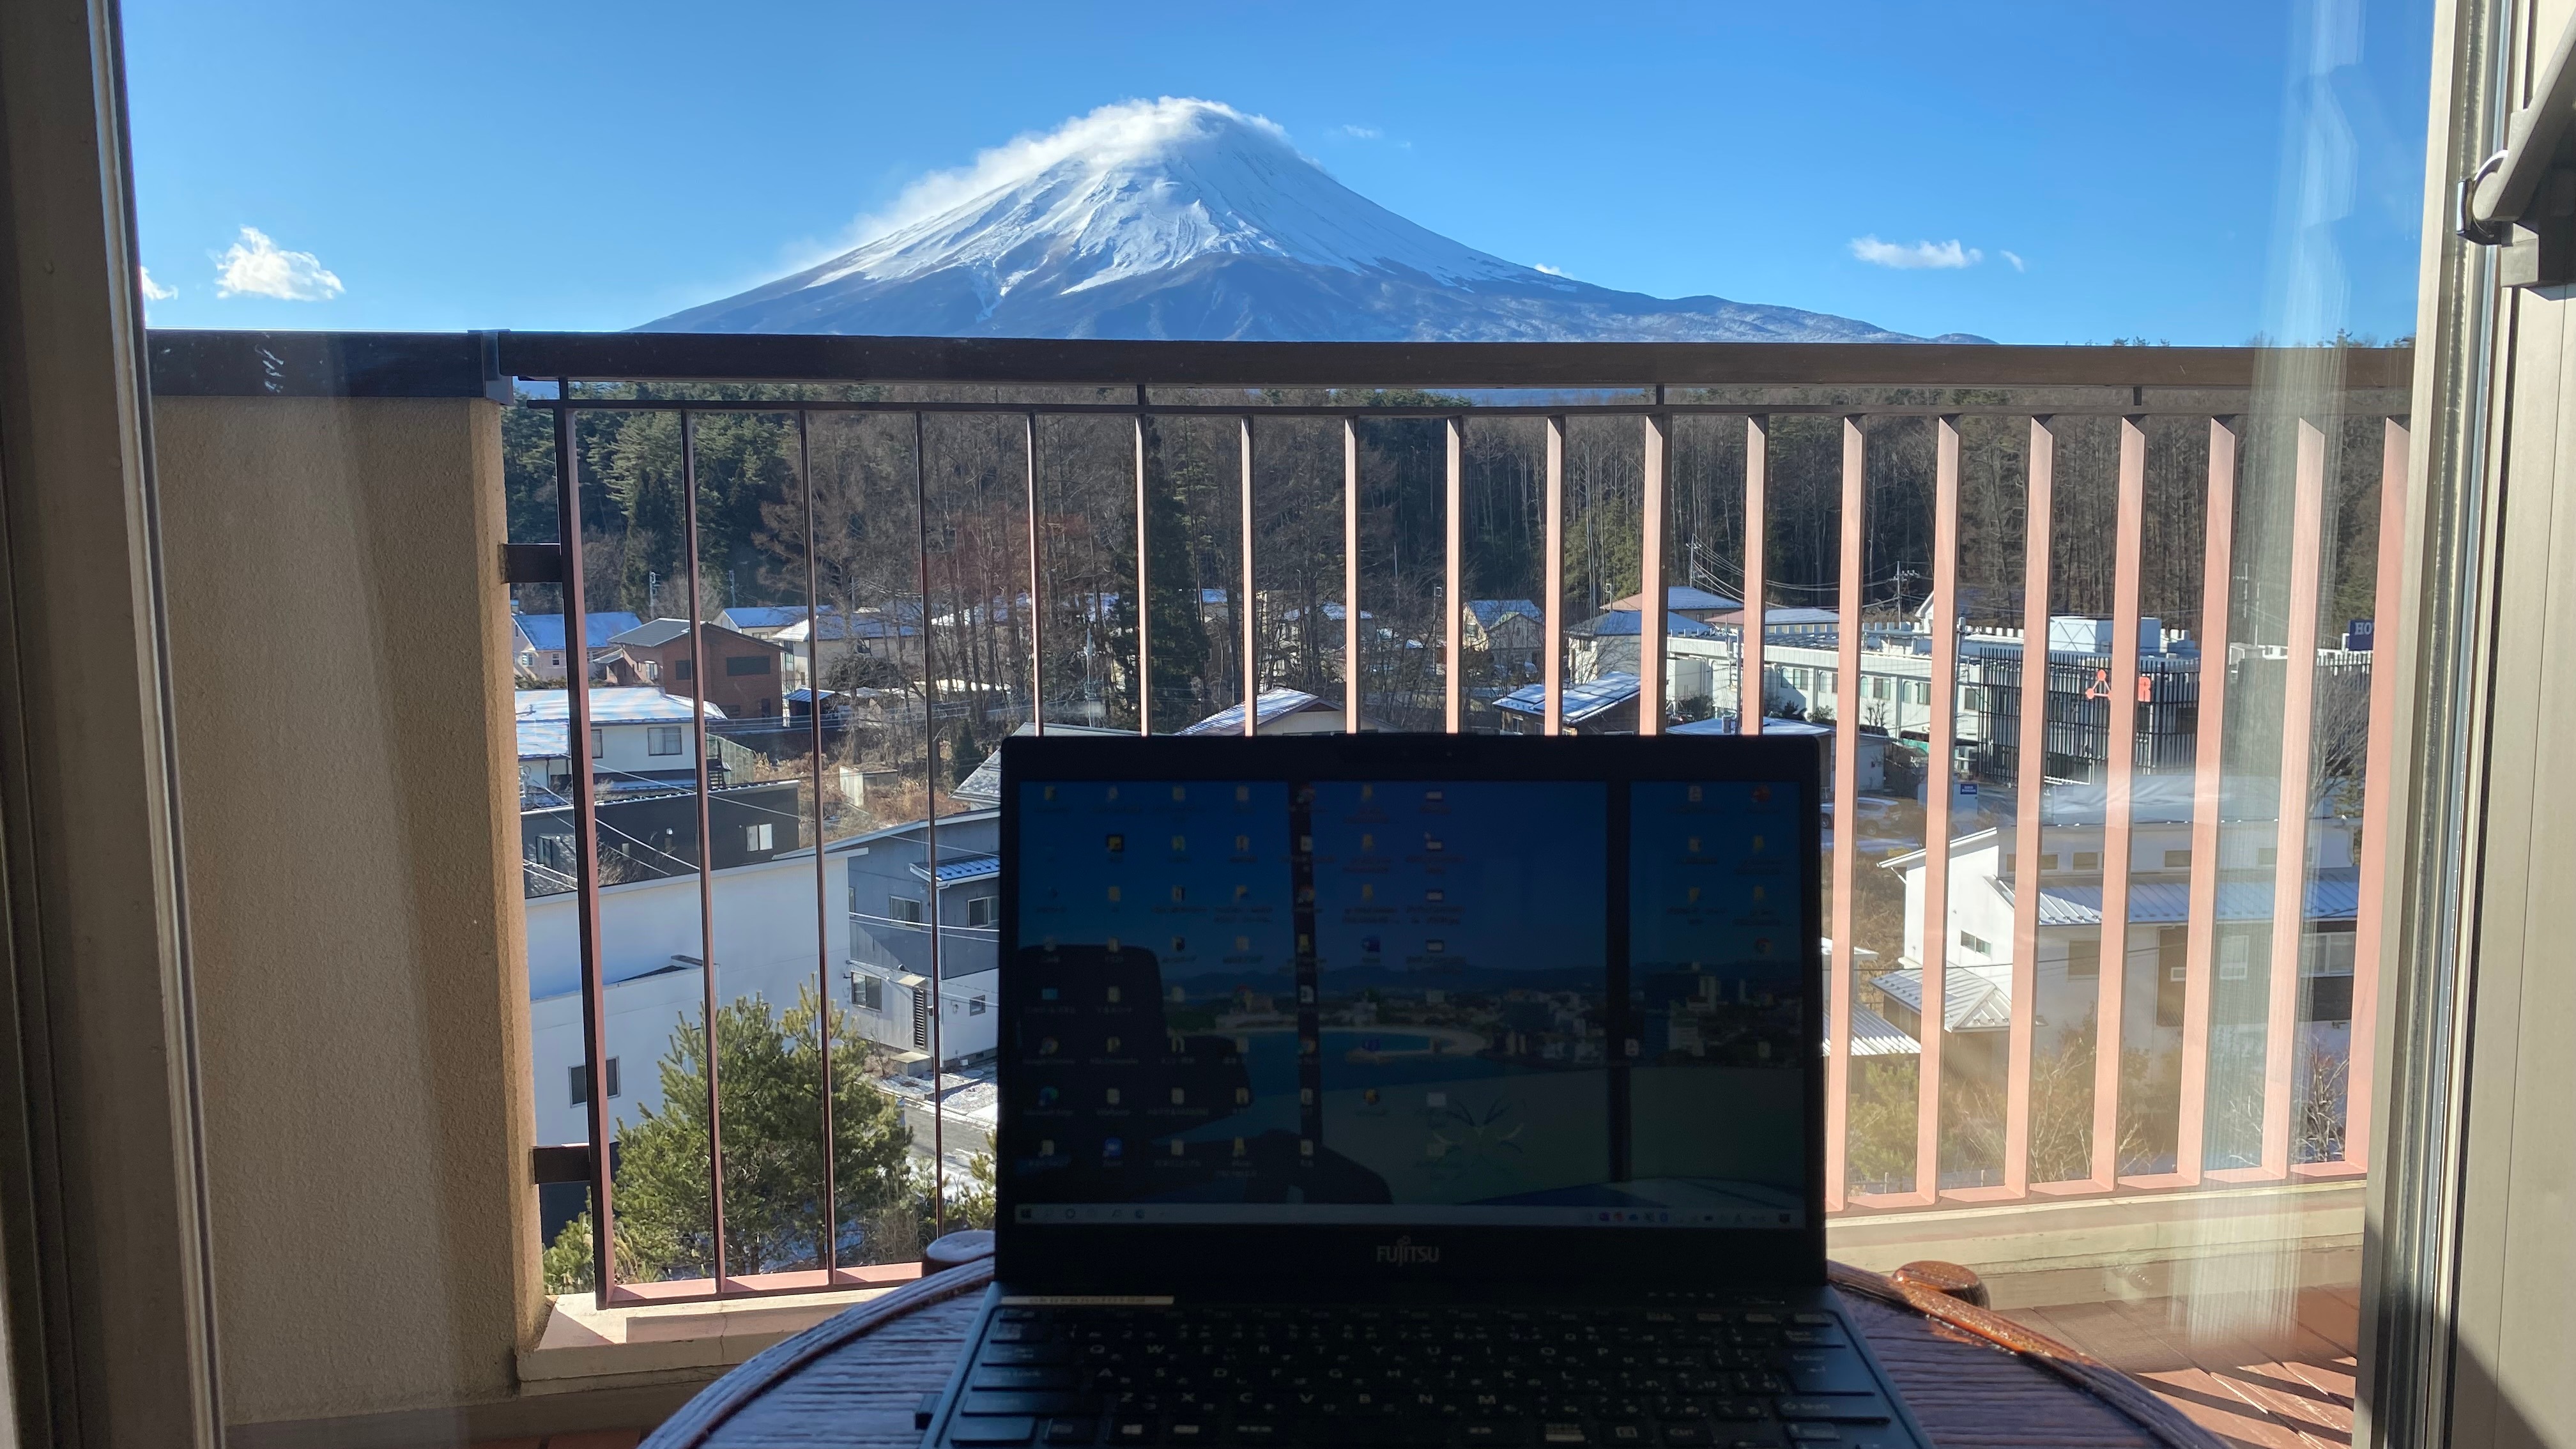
486,165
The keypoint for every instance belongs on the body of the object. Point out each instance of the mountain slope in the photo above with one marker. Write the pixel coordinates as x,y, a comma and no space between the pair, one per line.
1182,219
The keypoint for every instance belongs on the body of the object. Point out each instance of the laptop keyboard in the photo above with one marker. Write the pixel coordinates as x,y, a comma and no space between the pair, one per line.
1361,1377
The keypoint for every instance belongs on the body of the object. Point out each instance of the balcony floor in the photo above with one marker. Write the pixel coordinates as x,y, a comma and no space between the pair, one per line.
2287,1387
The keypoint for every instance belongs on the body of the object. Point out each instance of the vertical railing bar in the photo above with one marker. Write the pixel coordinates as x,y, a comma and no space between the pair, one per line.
594,986
2208,796
1845,731
831,1244
930,820
2378,774
1552,659
1651,599
1036,610
1752,637
2111,987
1144,600
1938,790
2030,792
1351,575
1251,659
706,838
2290,843
1453,686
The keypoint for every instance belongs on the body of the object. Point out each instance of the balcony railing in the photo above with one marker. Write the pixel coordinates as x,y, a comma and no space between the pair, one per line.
946,541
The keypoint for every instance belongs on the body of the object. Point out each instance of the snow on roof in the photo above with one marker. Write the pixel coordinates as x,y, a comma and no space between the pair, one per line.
764,616
1618,623
1582,701
1271,704
625,704
2332,895
1488,612
546,631
984,785
1679,596
1969,1002
1873,1035
652,632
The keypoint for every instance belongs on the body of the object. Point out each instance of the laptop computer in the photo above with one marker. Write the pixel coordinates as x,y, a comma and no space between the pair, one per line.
1412,1090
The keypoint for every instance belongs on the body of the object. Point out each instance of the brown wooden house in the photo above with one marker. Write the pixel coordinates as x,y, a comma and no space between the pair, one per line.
743,674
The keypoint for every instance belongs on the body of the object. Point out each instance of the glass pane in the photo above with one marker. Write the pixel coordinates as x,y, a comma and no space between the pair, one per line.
1403,476
1087,569
1297,556
1503,497
1194,568
1604,532
1703,569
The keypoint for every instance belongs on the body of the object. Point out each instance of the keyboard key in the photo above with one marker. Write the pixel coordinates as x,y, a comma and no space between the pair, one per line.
1813,1433
981,1401
991,1430
1839,1408
1626,1433
1021,1353
1129,1429
1688,1434
1190,1429
1562,1433
1257,1431
1027,1376
1073,1431
1497,1433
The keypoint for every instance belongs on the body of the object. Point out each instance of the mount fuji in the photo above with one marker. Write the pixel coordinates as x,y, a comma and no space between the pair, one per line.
1189,220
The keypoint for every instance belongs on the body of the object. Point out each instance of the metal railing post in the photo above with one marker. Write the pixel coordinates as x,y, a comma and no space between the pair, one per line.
1251,635
2378,775
2208,802
1453,602
2121,746
1036,614
1144,584
1351,641
2030,795
594,985
1650,572
706,837
1942,728
828,1250
2290,842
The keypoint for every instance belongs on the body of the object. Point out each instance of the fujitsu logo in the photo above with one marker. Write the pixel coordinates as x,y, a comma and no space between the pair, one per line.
1404,1251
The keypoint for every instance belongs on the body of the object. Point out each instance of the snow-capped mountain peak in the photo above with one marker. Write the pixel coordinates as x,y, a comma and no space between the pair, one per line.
1146,186
1189,219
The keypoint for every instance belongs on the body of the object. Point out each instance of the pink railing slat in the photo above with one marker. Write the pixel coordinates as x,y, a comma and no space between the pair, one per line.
2208,795
1454,604
1552,661
1846,787
2290,842
1144,594
1246,624
1937,784
1650,576
2111,988
1350,575
2030,788
1748,670
2377,812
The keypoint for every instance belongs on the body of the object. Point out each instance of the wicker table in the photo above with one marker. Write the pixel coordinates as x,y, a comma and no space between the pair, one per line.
1975,1380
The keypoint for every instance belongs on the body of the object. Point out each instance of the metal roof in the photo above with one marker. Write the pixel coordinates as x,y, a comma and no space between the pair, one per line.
1582,701
1969,1002
1488,612
546,631
963,868
1873,1035
653,631
765,616
2333,895
1680,596
984,785
1271,704
622,704
1620,623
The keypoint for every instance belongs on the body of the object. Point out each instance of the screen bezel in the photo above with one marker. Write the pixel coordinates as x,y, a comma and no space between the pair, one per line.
1347,1261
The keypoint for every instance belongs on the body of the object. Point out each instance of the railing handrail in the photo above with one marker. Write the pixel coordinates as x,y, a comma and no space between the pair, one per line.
212,363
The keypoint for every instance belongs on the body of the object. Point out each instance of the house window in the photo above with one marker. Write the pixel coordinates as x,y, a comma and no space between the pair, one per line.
2083,960
2088,860
983,910
867,992
2267,855
759,837
2232,955
737,664
1971,698
684,669
662,740
581,1082
975,1005
598,743
906,910
1975,943
652,671
2178,859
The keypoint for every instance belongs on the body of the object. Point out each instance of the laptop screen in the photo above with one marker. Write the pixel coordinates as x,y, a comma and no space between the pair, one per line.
1523,1003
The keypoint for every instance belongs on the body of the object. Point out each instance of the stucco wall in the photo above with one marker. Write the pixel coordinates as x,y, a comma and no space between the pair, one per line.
339,650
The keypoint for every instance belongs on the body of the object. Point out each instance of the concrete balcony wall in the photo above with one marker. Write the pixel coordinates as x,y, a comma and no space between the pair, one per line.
338,639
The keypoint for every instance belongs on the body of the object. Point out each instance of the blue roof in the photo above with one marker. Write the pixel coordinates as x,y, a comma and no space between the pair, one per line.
2332,896
1271,705
626,704
1618,622
546,631
1489,611
1582,701
963,868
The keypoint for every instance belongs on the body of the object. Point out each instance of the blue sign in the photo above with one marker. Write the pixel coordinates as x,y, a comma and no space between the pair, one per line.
1967,787
2357,635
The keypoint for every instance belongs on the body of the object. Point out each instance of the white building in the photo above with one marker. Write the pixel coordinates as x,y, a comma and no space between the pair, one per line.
639,737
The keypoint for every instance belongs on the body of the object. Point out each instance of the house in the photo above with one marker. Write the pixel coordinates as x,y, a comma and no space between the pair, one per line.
537,640
1681,601
893,639
639,738
894,891
1870,750
743,674
1277,712
763,621
650,833
1509,632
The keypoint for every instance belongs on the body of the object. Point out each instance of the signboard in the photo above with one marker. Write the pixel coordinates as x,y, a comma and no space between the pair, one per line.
2357,635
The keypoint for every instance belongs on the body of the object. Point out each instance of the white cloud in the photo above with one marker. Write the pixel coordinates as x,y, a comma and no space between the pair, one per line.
2015,259
153,291
1110,136
1544,267
254,266
1362,133
1945,256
